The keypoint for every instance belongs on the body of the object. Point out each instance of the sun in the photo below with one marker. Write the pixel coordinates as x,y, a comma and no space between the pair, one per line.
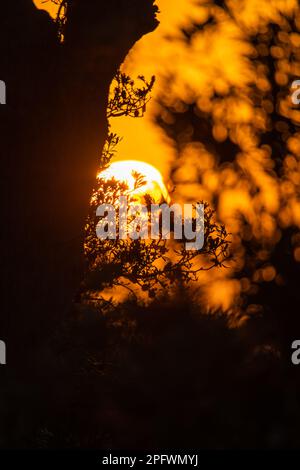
125,170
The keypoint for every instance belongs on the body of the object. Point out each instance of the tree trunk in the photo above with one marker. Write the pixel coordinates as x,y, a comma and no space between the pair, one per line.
53,128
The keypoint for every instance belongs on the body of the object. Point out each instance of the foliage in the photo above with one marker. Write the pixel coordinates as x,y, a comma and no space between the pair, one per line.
253,154
127,99
109,149
151,265
61,16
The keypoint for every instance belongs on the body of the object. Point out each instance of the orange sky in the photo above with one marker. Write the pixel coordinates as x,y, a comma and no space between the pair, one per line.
220,59
215,60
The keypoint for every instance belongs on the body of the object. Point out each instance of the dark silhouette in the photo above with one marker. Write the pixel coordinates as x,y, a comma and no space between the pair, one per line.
146,377
52,131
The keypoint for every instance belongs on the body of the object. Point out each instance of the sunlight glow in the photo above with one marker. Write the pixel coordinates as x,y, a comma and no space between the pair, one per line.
125,170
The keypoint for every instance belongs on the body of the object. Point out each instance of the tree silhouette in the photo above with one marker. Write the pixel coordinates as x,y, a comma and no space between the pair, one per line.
52,129
156,375
128,100
146,264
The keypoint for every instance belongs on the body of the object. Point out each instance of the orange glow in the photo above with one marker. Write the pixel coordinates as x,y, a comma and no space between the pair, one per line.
124,171
216,71
48,6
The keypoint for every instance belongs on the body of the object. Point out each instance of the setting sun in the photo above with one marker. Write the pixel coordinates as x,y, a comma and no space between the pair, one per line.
150,208
125,171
